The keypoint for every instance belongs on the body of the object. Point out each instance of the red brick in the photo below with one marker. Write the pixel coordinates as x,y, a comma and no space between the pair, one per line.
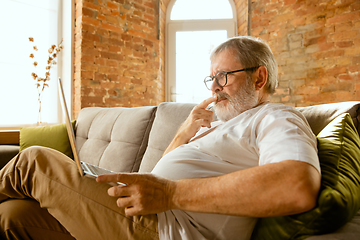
87,74
92,101
100,61
334,71
137,33
355,51
329,54
111,63
327,97
343,18
289,2
355,6
326,46
307,90
91,37
346,77
112,5
89,12
282,91
91,5
89,67
112,20
137,27
355,68
343,96
148,17
344,44
90,21
111,27
317,40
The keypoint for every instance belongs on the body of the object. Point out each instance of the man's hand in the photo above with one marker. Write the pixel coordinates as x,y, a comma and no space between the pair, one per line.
143,194
199,117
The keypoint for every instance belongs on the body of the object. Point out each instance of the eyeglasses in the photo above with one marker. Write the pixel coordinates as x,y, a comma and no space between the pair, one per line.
221,77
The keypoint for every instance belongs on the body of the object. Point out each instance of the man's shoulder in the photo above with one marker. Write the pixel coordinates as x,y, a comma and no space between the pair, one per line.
274,108
278,106
276,112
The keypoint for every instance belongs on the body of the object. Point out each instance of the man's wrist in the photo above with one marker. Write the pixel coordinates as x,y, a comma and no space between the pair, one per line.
171,193
181,194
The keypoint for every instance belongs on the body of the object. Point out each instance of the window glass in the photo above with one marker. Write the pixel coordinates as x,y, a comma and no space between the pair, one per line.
193,50
194,28
201,9
19,20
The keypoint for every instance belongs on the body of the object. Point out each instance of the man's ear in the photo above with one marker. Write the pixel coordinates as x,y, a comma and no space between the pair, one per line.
261,75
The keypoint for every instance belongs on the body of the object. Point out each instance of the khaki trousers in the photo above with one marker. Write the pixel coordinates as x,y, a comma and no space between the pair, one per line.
43,196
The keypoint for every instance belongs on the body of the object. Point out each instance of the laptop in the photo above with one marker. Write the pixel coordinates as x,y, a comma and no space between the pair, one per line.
85,169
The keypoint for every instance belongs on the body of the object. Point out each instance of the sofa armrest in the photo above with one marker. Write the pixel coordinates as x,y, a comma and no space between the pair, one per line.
7,152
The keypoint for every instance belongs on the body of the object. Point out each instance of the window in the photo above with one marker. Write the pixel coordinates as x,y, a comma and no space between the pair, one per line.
194,28
201,9
43,20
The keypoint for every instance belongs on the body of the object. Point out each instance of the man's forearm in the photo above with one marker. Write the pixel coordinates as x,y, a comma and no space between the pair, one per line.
176,142
180,138
275,189
199,117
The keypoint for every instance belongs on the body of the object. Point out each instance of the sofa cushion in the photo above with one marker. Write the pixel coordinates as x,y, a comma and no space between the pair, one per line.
321,115
52,136
350,231
114,138
169,117
338,201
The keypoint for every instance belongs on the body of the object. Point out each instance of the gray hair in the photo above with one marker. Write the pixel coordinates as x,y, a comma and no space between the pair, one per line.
252,52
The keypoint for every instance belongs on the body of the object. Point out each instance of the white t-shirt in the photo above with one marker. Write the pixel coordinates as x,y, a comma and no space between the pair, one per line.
266,134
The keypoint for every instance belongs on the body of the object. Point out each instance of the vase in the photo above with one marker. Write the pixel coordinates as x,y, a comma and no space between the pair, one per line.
39,120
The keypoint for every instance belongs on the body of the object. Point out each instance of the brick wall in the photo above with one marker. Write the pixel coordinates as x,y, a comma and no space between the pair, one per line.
242,15
120,49
117,54
317,46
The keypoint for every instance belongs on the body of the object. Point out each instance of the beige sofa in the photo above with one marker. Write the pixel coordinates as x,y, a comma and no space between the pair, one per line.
133,139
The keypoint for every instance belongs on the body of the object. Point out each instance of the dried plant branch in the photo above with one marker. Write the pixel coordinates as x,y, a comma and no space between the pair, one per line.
41,83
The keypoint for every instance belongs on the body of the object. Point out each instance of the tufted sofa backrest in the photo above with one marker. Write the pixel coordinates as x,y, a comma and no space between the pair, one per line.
114,138
133,139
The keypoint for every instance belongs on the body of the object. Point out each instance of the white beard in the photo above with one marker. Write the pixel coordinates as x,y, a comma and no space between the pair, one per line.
245,99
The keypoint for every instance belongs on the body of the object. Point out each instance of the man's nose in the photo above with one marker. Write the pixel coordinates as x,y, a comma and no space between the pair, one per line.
215,87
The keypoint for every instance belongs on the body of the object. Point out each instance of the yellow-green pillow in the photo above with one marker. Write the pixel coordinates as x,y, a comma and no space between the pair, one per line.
55,137
339,197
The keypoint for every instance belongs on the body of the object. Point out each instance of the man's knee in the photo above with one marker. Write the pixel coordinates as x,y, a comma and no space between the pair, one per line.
25,219
40,154
34,152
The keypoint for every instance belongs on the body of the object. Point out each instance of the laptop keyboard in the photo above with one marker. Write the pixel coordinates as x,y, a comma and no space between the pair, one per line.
95,170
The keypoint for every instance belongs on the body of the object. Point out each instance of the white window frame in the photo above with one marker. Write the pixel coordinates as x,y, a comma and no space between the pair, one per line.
65,63
173,26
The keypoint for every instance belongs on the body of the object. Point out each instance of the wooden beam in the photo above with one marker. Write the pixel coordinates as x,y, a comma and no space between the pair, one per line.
10,137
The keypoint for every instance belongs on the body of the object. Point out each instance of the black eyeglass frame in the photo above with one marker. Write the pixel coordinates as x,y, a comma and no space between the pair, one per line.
225,73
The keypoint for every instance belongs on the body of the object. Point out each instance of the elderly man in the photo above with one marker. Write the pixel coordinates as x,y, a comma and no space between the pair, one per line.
214,180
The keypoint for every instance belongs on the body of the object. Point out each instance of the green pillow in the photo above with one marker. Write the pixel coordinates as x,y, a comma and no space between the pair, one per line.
339,197
55,137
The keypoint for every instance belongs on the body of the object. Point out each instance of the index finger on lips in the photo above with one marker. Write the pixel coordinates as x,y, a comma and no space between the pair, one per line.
206,102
